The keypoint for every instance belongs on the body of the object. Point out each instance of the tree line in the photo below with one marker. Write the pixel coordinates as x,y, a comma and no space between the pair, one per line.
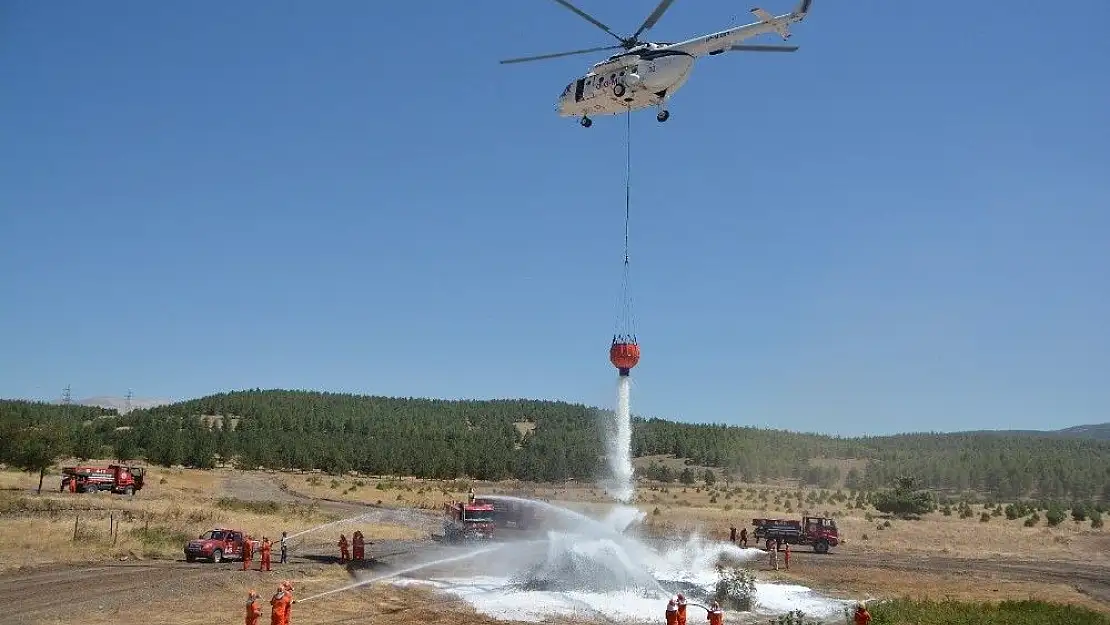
533,440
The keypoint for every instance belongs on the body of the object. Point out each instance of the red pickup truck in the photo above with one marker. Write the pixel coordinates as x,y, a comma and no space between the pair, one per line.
218,545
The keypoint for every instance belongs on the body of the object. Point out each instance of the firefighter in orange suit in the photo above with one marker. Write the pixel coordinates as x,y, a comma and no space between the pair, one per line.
264,564
681,609
253,609
248,552
279,606
287,585
358,546
716,616
672,612
344,553
862,616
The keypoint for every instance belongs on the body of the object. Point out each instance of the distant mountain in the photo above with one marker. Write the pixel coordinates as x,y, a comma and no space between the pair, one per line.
1100,432
120,403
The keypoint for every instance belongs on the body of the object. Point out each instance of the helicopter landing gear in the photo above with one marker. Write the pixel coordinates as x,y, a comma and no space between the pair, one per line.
618,90
663,114
586,122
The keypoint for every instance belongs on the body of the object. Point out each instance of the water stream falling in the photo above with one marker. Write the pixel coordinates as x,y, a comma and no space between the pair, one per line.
620,484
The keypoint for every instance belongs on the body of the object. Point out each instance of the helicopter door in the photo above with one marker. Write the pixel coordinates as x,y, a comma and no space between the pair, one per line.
578,88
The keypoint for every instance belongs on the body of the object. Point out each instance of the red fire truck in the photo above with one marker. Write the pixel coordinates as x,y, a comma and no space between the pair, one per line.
820,532
113,478
463,521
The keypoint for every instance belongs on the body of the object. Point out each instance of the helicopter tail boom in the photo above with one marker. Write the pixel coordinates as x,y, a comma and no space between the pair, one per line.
724,40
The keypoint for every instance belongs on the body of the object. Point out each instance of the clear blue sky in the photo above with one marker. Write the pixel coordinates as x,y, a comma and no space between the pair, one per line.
903,226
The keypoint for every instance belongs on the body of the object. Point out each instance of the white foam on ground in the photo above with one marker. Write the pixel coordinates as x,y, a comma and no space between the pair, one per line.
494,597
691,563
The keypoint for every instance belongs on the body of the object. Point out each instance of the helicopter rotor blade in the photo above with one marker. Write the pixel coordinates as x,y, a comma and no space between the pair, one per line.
556,55
762,48
653,18
589,18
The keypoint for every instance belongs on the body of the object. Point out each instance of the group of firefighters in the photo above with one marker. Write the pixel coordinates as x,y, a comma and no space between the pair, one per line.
676,612
741,540
359,544
264,549
280,605
775,547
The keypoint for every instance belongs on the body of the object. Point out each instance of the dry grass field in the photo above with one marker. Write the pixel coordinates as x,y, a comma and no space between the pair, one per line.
938,556
680,510
175,505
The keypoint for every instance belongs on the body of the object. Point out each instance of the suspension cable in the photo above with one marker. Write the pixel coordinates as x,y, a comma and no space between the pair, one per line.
627,176
625,329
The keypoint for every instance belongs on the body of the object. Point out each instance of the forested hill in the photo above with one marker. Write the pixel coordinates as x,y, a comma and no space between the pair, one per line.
543,440
1100,431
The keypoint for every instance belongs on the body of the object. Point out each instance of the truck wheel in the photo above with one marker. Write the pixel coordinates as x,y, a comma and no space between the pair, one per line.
129,491
218,556
90,488
190,558
821,547
770,544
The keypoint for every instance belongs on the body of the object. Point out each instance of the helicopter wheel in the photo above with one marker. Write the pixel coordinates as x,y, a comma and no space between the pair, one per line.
663,116
586,122
618,90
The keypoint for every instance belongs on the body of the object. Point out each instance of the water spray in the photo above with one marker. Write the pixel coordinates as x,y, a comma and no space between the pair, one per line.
410,569
406,518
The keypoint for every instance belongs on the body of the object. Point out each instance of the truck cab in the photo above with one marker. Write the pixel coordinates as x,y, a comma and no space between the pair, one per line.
473,520
821,532
216,545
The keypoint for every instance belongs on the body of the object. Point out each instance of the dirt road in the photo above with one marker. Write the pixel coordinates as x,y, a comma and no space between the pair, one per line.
250,486
263,487
65,591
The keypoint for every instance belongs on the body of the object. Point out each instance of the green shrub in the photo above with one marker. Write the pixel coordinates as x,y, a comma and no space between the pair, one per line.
1079,513
161,537
947,612
1054,516
735,588
240,505
794,617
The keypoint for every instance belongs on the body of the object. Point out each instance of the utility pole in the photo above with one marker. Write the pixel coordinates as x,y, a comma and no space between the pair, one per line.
66,400
127,406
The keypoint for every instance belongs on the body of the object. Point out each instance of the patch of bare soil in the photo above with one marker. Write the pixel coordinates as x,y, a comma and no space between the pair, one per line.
179,594
854,574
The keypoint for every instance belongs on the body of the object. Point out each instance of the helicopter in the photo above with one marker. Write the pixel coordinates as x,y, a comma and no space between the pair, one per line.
648,74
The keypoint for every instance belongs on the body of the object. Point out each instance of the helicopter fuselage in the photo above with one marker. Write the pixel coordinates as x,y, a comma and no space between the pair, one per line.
626,83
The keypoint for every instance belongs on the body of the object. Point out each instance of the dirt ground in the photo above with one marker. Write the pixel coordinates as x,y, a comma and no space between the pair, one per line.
42,584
